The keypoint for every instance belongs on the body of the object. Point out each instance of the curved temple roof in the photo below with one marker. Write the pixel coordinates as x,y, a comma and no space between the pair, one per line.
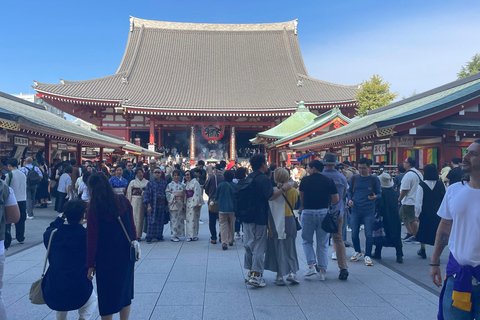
196,66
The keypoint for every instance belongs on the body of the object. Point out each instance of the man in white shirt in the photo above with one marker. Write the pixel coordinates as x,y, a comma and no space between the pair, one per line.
459,227
31,189
408,192
18,182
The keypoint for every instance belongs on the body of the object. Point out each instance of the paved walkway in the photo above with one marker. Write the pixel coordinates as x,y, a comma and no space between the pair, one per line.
197,280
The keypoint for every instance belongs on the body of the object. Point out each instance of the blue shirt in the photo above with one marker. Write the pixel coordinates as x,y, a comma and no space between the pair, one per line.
363,188
342,186
129,176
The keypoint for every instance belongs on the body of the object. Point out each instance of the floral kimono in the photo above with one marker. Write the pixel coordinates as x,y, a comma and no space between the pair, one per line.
135,196
119,185
193,202
176,197
155,196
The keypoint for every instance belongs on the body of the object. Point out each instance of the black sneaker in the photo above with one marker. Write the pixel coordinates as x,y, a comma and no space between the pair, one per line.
399,259
317,268
408,236
422,253
343,274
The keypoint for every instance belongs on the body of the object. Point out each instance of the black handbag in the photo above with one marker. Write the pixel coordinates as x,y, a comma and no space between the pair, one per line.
329,223
297,223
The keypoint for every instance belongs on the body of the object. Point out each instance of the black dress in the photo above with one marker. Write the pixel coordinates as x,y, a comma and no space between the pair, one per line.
42,189
388,208
429,220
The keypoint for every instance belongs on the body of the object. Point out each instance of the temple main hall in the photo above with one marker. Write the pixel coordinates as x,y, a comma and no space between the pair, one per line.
197,86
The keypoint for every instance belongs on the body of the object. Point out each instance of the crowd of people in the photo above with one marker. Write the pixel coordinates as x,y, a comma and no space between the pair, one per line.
263,205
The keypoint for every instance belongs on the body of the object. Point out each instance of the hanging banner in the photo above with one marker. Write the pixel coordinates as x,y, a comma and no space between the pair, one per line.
213,132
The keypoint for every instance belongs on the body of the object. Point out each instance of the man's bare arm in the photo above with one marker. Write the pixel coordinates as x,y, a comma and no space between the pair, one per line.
441,241
403,194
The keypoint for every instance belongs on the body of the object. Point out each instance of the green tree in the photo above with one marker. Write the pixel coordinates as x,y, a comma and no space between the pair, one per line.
373,94
473,66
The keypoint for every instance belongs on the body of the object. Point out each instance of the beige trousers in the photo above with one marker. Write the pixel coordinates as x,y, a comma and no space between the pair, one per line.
227,226
340,246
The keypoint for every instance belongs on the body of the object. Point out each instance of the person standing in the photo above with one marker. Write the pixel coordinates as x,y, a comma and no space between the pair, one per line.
175,193
427,202
154,199
42,190
63,190
445,170
135,196
455,175
364,189
341,185
317,192
152,164
34,175
128,172
83,191
408,193
210,189
108,247
224,195
118,182
193,203
459,225
18,182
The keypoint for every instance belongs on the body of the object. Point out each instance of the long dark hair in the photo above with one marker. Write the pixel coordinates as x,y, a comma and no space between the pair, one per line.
104,203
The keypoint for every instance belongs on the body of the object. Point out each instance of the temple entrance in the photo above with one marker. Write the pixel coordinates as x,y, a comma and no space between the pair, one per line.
176,140
140,138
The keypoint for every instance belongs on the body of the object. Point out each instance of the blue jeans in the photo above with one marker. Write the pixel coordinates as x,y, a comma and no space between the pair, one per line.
357,217
452,313
312,222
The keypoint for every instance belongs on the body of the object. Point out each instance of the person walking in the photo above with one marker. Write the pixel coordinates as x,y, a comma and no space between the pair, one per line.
210,189
108,248
455,175
154,199
408,193
281,255
63,190
364,189
339,250
427,202
118,182
459,225
255,224
317,192
83,191
175,193
16,180
224,195
387,208
193,203
65,285
34,175
135,196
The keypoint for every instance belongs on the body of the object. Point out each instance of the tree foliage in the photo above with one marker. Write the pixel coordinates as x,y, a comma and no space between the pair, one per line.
473,66
373,94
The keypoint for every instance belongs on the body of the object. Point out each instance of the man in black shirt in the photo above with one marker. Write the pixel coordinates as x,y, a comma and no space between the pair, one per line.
255,229
200,173
455,175
316,192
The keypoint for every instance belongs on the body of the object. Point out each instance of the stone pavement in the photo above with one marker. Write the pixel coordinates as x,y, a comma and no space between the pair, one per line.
198,280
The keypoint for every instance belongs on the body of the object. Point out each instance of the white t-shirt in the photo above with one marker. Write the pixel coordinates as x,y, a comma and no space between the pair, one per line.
83,189
460,204
410,182
11,201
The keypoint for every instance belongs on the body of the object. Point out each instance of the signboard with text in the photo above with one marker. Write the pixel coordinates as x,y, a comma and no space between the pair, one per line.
345,152
402,142
20,141
380,149
62,146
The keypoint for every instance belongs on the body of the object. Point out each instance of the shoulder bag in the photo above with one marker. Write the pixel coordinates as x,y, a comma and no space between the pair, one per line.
329,223
36,293
135,250
297,223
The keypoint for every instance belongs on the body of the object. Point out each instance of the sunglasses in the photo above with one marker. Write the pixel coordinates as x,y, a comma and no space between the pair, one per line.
157,172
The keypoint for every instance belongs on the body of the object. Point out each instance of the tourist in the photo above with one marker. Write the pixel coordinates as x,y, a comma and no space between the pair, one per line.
397,181
118,182
460,296
135,196
240,174
408,193
128,173
154,199
32,184
193,204
224,195
63,190
210,189
201,173
75,175
339,251
152,166
111,170
42,190
316,192
281,254
364,189
17,181
83,191
65,285
455,175
175,193
387,206
108,247
445,170
255,225
428,200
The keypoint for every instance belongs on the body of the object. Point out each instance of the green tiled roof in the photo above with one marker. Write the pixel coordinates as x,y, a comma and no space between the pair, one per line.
416,107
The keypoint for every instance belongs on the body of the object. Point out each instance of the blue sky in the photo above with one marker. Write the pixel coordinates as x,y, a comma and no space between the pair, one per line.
414,45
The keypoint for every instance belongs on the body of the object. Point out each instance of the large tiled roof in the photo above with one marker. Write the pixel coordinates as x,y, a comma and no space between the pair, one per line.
413,108
190,66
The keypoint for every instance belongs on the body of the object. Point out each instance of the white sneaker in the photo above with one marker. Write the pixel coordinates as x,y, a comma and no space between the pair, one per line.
322,276
349,229
310,272
279,281
29,217
356,257
368,261
237,235
334,256
200,222
257,281
292,277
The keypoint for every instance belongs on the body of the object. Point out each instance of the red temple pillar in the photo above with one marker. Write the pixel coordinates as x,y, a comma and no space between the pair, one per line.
46,151
79,155
232,146
151,140
159,143
100,158
128,135
288,159
192,144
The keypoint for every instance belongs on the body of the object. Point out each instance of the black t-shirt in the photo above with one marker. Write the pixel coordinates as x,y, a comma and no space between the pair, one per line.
263,191
317,190
455,175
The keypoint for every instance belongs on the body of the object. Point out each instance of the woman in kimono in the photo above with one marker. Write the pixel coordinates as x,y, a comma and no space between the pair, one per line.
176,197
155,200
193,203
135,196
119,183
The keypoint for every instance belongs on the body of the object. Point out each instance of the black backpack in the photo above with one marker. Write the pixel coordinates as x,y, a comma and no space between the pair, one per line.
243,203
33,178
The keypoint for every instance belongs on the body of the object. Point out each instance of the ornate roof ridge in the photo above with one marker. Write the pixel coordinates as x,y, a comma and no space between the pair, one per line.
188,26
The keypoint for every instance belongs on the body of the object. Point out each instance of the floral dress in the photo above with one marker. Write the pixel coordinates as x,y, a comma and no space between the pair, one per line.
176,197
135,196
193,202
